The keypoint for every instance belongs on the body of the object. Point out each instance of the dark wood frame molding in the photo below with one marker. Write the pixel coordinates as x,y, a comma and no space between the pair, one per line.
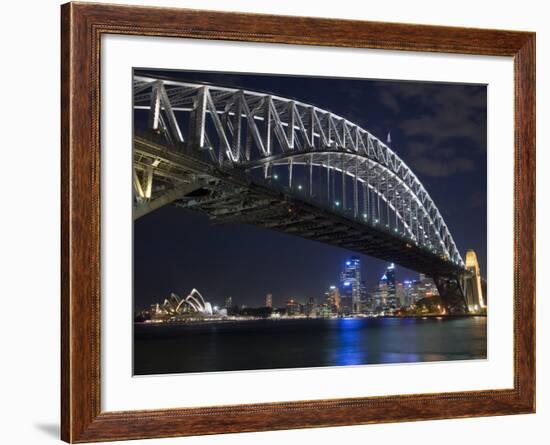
83,24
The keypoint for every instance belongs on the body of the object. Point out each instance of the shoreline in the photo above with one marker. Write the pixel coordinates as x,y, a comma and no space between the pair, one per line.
251,319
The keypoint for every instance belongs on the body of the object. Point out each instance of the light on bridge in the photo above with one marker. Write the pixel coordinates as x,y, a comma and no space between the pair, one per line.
414,204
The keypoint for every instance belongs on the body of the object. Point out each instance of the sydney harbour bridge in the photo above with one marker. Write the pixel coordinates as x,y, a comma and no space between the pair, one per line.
277,163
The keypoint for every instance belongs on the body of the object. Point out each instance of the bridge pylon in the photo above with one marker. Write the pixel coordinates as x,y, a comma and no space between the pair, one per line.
473,284
452,293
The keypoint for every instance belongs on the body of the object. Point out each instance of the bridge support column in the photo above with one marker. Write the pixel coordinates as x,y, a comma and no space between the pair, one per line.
472,283
147,206
451,291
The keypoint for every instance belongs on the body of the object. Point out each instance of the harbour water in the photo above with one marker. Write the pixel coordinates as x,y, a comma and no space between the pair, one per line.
303,343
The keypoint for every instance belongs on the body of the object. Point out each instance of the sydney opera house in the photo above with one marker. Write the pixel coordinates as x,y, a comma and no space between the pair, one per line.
175,308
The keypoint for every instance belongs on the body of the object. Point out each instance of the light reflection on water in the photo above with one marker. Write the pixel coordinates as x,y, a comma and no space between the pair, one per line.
266,344
349,350
354,344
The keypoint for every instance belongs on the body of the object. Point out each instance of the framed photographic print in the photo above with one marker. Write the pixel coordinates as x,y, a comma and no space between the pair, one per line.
286,222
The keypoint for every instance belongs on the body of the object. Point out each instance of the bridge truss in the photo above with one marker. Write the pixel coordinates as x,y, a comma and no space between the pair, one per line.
203,146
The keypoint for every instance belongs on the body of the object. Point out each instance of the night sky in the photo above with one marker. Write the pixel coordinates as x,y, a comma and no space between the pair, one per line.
438,129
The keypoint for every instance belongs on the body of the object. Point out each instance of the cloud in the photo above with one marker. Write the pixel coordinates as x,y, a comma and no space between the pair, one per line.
390,101
477,200
441,128
442,168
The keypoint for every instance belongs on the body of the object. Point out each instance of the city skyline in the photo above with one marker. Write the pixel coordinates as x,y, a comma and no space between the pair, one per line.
346,282
350,297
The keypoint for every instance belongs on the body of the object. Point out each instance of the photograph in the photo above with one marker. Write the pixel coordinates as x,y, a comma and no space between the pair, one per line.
284,221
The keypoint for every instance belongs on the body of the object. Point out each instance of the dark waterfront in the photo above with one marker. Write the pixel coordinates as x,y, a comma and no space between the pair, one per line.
300,343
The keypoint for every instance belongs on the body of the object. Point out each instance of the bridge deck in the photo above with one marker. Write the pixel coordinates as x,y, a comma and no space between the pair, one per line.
232,196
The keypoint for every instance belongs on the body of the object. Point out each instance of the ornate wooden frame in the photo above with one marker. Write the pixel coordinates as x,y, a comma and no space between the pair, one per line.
82,27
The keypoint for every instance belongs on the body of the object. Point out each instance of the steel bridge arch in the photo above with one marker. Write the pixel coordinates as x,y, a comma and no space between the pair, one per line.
240,129
278,160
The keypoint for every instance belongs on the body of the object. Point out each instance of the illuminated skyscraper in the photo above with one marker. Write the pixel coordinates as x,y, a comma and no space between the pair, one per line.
390,276
350,284
333,299
269,300
427,287
409,293
387,295
400,294
392,288
228,303
292,308
310,307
